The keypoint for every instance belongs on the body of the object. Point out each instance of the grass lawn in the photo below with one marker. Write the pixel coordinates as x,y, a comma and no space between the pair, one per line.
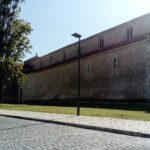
125,111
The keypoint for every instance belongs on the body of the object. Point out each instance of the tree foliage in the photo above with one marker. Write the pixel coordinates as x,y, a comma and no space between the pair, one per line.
14,42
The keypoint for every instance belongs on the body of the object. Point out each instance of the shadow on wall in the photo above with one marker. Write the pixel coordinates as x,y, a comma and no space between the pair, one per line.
10,93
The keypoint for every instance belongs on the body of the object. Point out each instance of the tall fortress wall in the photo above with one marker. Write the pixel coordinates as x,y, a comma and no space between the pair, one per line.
115,65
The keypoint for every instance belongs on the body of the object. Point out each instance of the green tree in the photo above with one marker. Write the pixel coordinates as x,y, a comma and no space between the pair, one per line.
14,42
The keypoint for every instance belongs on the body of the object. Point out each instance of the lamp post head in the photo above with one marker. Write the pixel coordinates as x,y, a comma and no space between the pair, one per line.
76,35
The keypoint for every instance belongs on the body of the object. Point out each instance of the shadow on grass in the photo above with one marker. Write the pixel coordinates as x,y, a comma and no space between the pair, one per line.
132,106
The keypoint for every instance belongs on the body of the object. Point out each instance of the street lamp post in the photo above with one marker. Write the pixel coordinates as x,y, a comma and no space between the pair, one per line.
76,35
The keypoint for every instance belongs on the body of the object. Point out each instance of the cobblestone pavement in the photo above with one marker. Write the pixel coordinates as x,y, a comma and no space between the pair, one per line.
121,124
17,134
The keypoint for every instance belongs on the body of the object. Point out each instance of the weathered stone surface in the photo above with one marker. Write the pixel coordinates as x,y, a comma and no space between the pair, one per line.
116,74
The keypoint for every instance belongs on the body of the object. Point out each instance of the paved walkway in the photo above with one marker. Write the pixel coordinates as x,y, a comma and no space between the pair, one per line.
121,126
20,134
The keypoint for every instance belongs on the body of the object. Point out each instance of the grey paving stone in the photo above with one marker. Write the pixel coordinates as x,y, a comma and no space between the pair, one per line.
120,124
18,134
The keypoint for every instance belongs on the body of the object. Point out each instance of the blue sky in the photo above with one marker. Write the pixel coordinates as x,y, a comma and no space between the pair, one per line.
53,21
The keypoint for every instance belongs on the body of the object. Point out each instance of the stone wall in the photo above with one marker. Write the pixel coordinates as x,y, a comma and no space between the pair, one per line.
112,73
111,36
122,73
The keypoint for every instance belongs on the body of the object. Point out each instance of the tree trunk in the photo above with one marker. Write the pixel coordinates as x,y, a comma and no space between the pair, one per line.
1,92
